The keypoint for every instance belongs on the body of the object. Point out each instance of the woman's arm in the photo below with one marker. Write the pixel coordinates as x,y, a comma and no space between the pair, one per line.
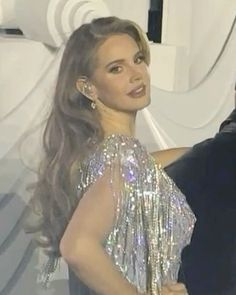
166,157
81,244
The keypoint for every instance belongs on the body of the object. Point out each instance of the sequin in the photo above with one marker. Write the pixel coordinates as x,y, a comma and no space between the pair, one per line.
153,220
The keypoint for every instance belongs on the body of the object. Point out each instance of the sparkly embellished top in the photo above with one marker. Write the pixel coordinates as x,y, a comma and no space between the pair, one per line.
153,221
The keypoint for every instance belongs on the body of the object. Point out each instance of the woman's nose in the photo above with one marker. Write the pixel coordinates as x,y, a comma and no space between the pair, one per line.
135,74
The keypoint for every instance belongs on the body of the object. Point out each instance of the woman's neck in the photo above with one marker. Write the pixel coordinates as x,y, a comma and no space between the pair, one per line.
118,123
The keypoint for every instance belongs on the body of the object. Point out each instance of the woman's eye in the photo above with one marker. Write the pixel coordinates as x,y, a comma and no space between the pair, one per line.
139,59
115,69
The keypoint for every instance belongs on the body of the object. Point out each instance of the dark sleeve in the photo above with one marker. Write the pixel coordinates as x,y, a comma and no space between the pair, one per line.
190,172
207,177
231,119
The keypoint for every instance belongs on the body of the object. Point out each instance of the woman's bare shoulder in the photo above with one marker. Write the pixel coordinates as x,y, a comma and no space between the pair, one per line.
165,157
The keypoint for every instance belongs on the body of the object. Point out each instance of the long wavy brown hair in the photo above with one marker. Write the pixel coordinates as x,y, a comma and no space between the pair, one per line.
73,126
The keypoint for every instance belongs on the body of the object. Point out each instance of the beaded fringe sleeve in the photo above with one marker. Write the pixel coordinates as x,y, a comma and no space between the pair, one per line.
153,221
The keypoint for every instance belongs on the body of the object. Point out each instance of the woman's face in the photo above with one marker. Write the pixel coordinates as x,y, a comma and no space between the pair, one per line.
121,78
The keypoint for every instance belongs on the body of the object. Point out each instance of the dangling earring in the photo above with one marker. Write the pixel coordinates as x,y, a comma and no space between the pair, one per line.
93,105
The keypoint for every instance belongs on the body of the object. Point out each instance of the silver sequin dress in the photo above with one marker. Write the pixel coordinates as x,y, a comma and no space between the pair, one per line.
153,221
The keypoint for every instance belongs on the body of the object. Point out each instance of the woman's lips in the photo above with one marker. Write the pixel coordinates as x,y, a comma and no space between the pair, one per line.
138,91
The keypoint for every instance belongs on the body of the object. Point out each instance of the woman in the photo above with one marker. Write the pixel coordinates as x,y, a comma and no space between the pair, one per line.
106,207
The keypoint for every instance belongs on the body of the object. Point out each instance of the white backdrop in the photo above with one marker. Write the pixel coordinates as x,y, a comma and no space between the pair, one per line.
28,69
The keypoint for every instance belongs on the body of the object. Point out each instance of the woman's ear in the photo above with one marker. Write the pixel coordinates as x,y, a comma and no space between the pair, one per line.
84,86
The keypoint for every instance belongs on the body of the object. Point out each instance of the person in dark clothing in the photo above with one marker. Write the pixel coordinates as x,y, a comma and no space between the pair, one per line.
206,174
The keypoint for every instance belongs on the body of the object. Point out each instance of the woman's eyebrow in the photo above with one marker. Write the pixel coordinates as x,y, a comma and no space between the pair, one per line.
121,60
115,61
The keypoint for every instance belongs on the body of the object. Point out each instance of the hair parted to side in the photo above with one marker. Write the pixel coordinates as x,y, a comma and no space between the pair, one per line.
73,126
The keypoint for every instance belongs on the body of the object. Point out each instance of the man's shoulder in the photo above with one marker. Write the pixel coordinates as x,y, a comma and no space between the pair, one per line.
222,143
194,156
189,172
203,162
231,119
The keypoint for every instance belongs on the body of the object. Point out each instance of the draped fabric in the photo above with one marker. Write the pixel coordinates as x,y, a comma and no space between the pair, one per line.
152,223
